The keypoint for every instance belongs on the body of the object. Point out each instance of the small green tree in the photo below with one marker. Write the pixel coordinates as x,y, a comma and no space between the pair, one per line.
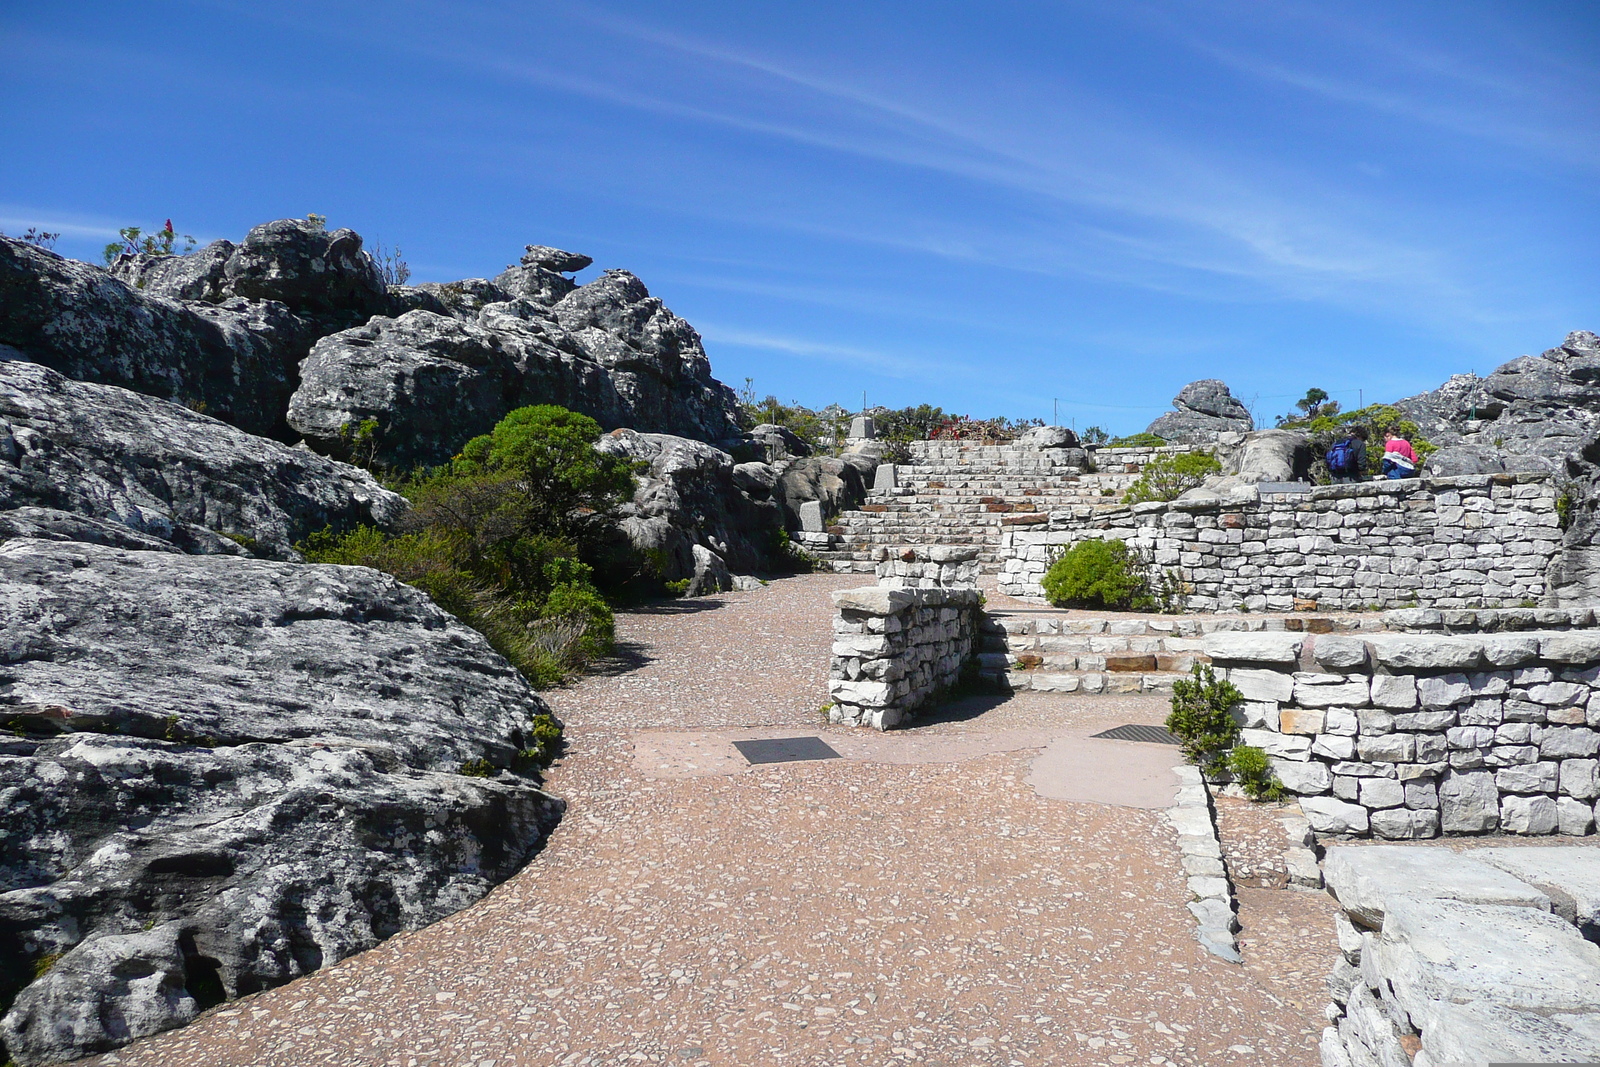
1095,435
164,242
1252,769
1169,477
1099,573
1202,717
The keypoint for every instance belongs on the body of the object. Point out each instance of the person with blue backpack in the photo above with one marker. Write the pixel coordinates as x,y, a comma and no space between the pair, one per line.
1347,459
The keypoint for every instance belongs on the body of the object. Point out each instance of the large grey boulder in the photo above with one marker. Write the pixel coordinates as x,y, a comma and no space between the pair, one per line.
234,360
837,483
1204,409
607,349
227,773
166,472
1265,456
695,514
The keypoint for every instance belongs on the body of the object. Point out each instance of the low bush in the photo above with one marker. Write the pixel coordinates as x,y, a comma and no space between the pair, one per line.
1202,718
495,537
1169,477
1099,574
1252,769
1138,440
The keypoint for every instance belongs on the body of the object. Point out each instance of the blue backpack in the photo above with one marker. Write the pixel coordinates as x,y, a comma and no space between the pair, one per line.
1342,457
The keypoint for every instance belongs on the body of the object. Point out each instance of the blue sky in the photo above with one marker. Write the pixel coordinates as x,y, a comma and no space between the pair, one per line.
990,207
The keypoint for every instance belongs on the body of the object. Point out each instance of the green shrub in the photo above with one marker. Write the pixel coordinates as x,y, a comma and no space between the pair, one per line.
544,742
1099,574
1138,440
1169,477
1253,771
495,538
1202,717
131,240
477,768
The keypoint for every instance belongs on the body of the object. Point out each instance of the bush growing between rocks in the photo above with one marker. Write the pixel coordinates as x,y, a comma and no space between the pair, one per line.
495,538
1143,439
1099,574
1202,718
1252,769
1169,477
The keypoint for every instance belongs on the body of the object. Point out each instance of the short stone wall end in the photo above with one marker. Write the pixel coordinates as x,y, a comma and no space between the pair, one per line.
896,650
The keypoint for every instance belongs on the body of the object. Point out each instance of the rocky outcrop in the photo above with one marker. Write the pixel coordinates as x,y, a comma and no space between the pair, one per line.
234,360
1204,409
1543,405
838,482
1263,456
225,773
165,472
607,349
696,514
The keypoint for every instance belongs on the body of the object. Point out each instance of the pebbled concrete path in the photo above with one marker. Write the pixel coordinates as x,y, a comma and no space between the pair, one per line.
987,888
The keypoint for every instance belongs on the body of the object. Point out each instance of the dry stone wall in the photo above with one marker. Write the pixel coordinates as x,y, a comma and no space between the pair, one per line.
1399,736
902,643
1465,542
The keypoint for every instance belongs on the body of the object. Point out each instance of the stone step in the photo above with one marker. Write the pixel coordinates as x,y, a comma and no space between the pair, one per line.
1083,681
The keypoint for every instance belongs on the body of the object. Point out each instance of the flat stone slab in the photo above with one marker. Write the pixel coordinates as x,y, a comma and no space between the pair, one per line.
1490,1033
1573,871
1444,951
785,749
1365,877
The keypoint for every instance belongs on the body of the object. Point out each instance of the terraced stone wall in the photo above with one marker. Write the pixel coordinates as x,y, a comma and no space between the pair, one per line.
1476,541
895,650
1399,735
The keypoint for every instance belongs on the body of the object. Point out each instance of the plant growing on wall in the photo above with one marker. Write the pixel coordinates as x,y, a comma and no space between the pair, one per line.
1252,769
1202,718
1169,477
1099,574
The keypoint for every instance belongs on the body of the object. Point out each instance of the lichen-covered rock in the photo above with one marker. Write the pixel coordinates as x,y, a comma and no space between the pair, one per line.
1204,409
607,349
227,773
691,498
235,361
1541,405
166,472
307,268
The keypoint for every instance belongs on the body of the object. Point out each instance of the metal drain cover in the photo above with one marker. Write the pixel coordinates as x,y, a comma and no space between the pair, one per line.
1136,732
785,749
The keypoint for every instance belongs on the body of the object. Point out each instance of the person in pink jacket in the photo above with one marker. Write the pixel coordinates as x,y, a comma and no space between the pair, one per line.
1399,458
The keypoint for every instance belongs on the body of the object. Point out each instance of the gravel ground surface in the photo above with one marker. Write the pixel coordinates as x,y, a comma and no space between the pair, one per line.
935,896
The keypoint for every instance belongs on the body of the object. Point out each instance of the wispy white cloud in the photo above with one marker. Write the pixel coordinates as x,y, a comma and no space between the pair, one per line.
894,365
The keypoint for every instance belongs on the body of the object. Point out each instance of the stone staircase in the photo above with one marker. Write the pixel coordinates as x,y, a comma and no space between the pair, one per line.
1056,651
961,494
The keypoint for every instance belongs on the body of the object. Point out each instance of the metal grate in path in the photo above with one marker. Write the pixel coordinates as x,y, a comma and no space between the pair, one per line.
1137,732
785,749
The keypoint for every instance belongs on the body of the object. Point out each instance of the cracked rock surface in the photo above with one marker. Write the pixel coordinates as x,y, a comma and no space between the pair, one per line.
225,773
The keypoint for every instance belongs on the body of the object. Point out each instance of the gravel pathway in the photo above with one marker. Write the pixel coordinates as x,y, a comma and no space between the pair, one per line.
942,895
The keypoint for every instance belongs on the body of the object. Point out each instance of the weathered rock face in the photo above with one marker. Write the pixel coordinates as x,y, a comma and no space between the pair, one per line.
1204,409
310,270
607,349
1265,456
230,772
166,472
234,360
1536,405
838,483
696,514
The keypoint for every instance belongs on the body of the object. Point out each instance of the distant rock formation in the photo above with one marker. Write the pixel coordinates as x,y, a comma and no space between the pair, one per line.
1534,406
1204,409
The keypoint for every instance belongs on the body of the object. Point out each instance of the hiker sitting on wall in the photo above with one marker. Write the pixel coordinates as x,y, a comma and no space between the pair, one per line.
1347,459
1399,458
